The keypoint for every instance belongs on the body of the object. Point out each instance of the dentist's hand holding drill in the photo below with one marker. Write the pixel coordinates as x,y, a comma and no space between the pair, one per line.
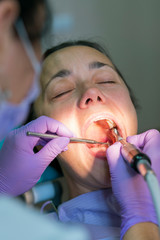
129,187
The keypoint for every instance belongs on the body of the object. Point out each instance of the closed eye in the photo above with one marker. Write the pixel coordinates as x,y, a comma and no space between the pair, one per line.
104,82
62,94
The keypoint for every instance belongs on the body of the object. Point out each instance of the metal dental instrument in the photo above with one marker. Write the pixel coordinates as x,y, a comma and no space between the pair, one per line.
132,155
72,140
142,164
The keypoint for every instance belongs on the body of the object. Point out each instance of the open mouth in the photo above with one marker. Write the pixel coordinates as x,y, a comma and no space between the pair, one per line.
102,131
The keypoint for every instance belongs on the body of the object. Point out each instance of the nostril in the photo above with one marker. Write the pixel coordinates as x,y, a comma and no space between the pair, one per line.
90,97
99,99
88,100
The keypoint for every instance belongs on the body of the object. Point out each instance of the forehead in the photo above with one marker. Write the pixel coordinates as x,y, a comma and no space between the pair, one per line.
71,57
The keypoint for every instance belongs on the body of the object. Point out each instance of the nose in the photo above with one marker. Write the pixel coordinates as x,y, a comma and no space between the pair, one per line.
90,97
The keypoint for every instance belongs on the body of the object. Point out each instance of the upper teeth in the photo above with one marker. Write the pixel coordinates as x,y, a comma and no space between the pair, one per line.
109,122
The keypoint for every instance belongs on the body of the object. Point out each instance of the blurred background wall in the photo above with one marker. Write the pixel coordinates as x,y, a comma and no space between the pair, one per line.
130,30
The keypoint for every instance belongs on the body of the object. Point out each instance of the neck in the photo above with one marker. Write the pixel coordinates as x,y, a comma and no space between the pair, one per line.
75,188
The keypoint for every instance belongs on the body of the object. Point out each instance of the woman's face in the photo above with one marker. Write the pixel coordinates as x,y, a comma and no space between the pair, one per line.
82,89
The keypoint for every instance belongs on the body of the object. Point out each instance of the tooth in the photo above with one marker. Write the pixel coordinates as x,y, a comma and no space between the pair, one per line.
111,124
115,131
117,134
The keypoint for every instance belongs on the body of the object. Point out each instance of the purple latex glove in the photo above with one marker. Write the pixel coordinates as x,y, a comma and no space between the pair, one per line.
129,187
20,167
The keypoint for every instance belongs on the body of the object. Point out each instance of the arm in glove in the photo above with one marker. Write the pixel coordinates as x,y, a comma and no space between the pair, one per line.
20,167
129,188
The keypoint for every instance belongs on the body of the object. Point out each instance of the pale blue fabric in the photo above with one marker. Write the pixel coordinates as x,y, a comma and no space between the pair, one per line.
98,210
19,222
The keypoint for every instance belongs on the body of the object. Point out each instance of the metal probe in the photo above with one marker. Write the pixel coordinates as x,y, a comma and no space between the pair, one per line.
72,140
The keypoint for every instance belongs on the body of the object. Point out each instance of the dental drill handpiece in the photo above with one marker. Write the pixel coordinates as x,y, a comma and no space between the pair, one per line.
138,160
142,164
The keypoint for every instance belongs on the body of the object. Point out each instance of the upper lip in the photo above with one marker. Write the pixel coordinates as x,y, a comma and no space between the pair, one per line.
100,116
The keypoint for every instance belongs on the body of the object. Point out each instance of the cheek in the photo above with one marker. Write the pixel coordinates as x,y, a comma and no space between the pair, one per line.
121,102
63,113
56,111
68,162
129,112
124,101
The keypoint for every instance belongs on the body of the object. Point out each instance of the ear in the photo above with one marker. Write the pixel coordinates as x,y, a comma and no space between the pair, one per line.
9,11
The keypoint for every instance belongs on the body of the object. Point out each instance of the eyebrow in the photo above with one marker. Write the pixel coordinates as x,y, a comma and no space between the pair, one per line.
96,65
65,73
62,73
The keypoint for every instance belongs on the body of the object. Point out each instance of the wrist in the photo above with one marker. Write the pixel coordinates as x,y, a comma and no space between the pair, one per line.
137,214
141,231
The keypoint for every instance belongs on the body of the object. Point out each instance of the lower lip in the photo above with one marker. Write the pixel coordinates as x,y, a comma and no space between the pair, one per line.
98,152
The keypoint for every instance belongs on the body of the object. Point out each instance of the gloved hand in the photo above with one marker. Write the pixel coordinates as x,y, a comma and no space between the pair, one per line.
20,167
129,187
